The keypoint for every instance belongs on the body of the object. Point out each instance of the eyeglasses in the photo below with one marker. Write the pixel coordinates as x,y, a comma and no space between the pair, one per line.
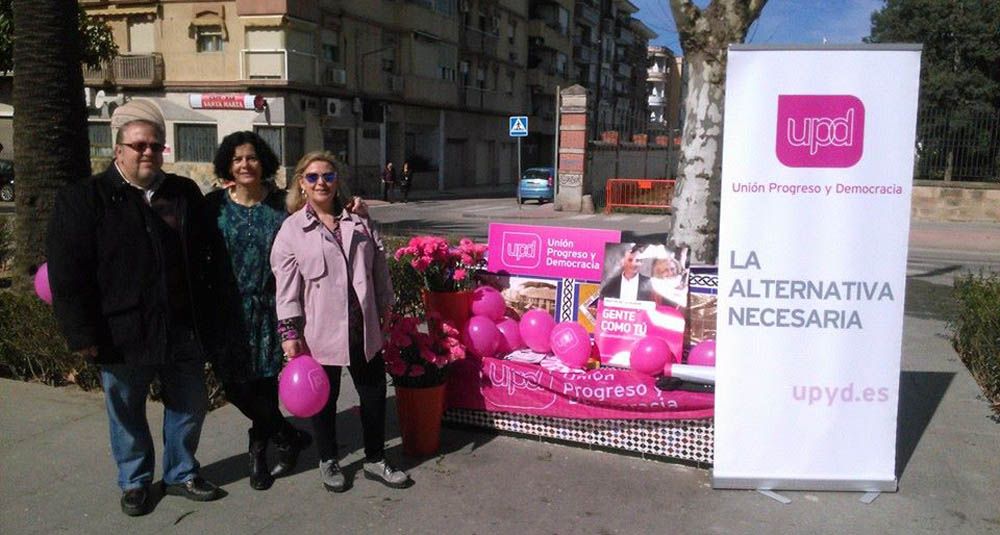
313,177
141,146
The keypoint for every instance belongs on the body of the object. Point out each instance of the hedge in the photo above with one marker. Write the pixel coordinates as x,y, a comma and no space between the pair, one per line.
975,331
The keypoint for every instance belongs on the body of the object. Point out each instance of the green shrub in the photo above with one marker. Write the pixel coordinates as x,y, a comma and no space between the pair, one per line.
31,348
406,282
975,331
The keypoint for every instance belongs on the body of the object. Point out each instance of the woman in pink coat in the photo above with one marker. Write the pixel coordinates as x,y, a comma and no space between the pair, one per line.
333,291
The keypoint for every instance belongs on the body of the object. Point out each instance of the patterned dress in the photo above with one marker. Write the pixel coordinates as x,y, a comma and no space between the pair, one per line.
245,344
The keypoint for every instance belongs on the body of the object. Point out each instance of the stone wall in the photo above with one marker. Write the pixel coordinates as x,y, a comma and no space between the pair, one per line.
934,200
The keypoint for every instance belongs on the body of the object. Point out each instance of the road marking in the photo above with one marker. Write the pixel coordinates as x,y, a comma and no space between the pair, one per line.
653,219
617,218
582,216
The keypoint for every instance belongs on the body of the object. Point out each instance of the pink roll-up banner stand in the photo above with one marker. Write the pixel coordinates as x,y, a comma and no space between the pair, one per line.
816,180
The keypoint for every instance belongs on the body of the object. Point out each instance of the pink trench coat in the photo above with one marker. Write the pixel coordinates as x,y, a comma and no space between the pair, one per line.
311,276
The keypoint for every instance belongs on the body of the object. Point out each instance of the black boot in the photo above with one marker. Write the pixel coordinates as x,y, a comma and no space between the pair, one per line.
290,443
260,478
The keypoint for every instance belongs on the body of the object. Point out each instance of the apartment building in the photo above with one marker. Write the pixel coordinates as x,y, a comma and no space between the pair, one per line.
663,82
609,55
429,81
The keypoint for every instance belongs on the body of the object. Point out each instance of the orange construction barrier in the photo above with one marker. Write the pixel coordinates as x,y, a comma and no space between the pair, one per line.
638,193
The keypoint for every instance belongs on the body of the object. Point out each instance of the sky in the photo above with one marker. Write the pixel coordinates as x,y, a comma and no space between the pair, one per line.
781,21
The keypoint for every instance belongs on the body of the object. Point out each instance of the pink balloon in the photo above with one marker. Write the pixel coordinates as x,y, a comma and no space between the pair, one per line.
303,387
510,336
571,344
703,354
536,326
649,355
487,301
481,336
42,288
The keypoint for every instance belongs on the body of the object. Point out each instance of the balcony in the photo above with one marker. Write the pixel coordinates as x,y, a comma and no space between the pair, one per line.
584,54
423,89
137,70
550,38
624,37
624,70
587,14
656,74
278,64
478,42
657,101
100,76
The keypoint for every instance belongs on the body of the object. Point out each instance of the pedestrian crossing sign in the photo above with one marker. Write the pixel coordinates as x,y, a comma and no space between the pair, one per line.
518,126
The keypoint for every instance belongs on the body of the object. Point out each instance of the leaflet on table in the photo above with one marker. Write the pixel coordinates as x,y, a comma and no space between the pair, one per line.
644,292
551,252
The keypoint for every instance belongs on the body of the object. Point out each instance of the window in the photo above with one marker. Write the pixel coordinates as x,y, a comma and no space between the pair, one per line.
208,38
195,142
294,144
445,7
510,82
331,46
272,136
511,31
463,69
561,61
100,140
481,78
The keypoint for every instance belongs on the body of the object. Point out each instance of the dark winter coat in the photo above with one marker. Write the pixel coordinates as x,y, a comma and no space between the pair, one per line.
108,266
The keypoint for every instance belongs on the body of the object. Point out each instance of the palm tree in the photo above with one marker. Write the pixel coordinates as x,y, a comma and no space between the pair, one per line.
50,121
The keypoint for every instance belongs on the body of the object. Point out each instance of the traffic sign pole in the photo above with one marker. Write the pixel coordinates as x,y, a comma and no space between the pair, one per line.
518,127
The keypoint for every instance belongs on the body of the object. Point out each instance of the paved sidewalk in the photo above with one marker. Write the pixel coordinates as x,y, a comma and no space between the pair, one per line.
56,474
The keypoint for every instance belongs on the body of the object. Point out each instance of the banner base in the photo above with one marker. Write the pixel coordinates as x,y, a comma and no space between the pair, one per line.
842,485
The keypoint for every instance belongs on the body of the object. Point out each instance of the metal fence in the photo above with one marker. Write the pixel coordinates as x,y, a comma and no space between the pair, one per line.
958,145
609,161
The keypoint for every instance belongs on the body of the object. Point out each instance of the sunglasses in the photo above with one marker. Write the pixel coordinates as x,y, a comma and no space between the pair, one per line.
141,146
313,177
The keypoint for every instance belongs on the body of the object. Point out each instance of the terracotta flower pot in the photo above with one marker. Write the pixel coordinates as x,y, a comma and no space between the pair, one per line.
420,411
452,306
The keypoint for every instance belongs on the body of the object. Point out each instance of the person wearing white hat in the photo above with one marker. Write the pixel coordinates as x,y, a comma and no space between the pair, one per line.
125,267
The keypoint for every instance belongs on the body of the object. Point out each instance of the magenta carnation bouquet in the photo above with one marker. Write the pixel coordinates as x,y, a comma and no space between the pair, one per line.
443,267
418,354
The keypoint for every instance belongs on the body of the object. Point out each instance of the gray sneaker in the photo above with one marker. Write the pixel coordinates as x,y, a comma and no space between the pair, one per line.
384,473
333,478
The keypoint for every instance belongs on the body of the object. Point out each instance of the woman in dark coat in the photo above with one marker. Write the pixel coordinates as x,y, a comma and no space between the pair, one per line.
245,347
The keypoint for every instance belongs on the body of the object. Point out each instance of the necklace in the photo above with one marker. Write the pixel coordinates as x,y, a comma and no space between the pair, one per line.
250,202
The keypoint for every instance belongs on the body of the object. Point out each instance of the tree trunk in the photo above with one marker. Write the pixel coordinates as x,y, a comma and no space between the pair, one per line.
50,121
705,34
698,188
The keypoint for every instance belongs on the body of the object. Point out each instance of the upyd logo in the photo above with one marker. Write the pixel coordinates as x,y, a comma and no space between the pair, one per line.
820,130
521,249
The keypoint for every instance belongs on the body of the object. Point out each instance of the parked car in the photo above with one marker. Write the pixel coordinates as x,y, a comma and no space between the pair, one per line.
6,180
536,183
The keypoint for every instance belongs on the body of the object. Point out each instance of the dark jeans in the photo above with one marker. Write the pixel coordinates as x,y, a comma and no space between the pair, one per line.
369,380
257,399
387,190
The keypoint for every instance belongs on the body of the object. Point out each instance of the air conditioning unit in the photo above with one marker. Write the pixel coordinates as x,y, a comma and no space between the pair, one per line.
335,107
335,76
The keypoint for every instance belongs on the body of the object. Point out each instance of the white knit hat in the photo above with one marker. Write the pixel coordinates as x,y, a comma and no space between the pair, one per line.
138,109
